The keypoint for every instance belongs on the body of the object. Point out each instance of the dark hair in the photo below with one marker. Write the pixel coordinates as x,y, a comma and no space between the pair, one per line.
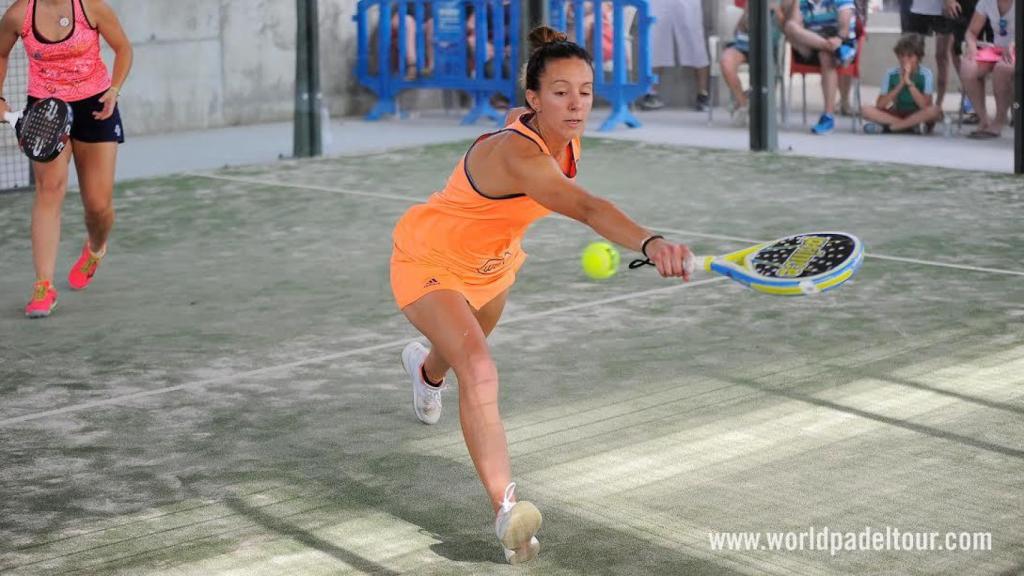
910,43
548,44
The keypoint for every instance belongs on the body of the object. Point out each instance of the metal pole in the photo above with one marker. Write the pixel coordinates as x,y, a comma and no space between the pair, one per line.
300,140
316,128
535,13
764,135
308,99
1018,98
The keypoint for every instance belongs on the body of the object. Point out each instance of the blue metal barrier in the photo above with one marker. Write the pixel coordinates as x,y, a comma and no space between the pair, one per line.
447,21
626,80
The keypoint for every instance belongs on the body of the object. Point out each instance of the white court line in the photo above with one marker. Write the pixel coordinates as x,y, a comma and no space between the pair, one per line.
945,265
304,187
334,356
933,263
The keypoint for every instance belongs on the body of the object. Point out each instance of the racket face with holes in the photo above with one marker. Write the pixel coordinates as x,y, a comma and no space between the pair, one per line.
795,265
44,130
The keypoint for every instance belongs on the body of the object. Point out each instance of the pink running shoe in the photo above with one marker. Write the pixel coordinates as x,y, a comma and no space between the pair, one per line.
82,272
44,300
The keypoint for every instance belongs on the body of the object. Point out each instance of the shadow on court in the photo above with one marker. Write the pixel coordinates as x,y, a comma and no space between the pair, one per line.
571,544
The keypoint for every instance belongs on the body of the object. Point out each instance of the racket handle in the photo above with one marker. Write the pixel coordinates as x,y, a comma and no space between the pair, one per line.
690,264
11,117
695,263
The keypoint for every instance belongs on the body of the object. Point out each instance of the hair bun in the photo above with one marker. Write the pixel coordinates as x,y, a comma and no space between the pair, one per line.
544,35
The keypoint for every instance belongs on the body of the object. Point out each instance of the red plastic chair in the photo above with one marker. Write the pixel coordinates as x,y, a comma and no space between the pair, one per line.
852,70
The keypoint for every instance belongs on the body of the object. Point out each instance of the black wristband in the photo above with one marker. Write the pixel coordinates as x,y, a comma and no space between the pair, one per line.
643,247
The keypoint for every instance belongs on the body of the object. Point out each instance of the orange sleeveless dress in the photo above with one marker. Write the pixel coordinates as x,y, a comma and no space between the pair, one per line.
465,241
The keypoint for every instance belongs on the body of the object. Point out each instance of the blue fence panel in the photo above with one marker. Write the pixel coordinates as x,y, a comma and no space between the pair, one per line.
443,28
627,76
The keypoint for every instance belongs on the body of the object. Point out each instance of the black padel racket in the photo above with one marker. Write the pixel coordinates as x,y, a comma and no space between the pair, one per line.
44,129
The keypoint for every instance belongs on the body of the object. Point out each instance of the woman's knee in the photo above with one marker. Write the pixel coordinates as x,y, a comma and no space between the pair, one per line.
1003,71
475,363
98,208
969,70
731,61
478,381
51,189
483,372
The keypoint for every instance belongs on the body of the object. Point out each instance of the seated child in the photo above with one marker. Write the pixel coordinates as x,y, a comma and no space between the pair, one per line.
905,101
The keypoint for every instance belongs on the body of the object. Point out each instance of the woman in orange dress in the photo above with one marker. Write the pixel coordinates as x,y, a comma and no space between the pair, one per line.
456,256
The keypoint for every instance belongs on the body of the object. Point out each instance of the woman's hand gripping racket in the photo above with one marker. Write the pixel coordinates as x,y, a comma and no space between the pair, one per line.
791,266
44,129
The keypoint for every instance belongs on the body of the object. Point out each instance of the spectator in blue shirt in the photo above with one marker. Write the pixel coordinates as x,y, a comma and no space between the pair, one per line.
824,33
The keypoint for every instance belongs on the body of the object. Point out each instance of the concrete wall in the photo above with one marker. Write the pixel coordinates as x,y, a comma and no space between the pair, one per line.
203,64
212,63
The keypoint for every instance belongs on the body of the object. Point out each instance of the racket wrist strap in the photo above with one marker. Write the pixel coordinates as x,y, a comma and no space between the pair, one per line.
651,238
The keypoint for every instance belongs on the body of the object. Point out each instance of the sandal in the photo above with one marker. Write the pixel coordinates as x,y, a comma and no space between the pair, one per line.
982,135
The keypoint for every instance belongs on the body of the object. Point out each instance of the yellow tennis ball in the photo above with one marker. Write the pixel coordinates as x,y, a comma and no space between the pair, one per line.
600,260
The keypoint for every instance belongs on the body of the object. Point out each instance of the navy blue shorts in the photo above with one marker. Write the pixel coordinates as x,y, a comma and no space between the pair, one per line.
927,24
85,128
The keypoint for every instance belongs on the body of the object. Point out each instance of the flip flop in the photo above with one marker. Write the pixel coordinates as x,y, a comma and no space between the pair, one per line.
982,135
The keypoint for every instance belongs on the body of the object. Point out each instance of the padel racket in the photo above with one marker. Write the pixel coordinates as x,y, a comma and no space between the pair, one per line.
44,129
790,266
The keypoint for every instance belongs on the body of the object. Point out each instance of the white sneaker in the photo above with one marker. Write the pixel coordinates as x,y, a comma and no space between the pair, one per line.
516,525
426,399
740,116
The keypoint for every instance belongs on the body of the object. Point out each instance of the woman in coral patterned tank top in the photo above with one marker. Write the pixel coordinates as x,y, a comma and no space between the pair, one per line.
62,41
